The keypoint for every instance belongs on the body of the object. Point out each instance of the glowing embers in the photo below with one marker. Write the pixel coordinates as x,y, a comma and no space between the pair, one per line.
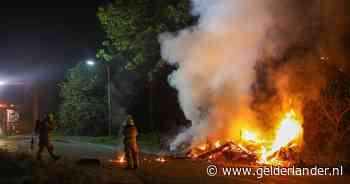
160,159
119,159
283,149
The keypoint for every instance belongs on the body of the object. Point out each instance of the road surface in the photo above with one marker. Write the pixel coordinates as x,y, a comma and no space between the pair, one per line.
170,172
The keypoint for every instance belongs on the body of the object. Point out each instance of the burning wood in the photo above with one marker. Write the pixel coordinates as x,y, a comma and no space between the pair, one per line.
283,150
217,144
229,151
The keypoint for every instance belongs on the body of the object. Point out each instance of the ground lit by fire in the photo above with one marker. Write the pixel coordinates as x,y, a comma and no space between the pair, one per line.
283,149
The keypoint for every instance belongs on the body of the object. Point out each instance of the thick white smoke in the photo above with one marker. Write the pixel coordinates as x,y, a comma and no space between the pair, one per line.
216,60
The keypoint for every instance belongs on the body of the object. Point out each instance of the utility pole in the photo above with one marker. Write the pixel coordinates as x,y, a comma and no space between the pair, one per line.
150,80
109,98
107,67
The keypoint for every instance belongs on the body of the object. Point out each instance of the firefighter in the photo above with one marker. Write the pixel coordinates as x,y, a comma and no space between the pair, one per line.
44,128
130,144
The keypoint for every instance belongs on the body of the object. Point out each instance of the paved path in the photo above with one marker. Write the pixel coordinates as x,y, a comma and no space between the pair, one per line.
72,151
171,172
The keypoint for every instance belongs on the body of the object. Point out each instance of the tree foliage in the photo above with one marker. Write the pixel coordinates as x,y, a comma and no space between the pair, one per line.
83,109
132,28
131,45
328,127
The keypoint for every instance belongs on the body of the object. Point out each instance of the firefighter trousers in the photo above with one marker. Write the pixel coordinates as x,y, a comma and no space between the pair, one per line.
132,156
49,148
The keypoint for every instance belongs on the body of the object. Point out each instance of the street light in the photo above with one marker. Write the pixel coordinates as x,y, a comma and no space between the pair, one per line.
90,62
109,97
2,83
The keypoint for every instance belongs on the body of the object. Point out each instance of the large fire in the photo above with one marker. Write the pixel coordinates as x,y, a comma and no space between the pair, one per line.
278,151
289,131
249,136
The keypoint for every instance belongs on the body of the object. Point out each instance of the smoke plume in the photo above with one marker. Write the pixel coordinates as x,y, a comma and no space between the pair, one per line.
239,53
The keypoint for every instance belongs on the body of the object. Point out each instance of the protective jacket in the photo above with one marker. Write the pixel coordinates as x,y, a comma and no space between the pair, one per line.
44,128
130,146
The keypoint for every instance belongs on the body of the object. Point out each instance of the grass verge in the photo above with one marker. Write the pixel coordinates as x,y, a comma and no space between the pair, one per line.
150,142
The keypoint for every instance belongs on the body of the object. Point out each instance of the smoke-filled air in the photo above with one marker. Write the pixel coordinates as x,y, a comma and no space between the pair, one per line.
241,59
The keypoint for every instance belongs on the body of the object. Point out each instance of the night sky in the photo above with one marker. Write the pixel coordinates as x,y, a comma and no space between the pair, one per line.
41,43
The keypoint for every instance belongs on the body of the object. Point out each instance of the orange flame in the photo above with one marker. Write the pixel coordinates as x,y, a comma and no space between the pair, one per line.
217,144
249,136
203,147
287,135
290,130
160,159
121,159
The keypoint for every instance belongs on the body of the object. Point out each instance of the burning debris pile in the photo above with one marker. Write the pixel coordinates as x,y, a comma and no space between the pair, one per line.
245,72
283,150
228,152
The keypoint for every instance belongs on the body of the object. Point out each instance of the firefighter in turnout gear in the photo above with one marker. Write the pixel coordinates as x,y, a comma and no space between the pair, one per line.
44,128
131,147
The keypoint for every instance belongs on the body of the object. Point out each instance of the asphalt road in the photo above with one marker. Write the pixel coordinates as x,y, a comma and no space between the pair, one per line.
170,172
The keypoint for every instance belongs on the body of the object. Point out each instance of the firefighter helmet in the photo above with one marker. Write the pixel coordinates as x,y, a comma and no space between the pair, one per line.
130,120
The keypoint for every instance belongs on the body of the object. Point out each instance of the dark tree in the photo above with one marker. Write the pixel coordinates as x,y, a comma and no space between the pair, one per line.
132,28
327,126
83,108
